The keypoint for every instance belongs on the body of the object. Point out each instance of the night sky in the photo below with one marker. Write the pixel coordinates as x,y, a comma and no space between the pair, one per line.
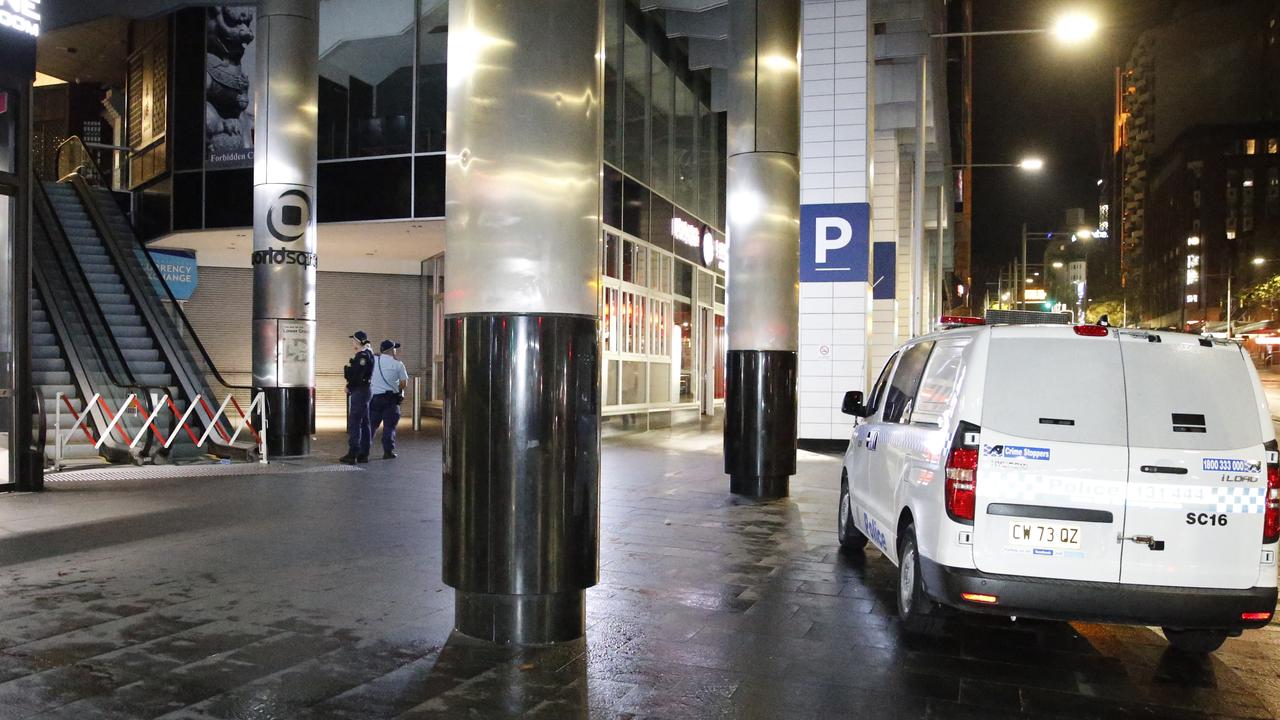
1036,96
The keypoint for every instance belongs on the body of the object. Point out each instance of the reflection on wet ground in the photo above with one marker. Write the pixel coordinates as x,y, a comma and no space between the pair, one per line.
318,595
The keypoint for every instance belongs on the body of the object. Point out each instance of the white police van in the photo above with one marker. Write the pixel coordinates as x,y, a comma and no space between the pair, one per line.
1070,472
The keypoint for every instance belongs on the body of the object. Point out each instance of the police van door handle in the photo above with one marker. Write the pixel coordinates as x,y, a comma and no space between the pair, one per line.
871,439
1151,543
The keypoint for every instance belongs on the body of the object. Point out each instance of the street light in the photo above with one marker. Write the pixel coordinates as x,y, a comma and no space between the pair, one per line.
1074,27
1030,164
1071,28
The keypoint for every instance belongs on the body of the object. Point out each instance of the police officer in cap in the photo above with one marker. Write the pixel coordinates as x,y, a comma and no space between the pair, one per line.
388,384
358,372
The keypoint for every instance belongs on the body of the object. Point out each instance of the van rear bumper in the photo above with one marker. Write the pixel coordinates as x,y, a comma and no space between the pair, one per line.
1048,599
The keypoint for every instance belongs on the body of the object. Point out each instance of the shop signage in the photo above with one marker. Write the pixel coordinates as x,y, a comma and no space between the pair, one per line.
178,270
21,15
833,242
713,253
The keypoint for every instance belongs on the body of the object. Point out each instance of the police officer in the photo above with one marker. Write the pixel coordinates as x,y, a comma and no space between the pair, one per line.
388,384
358,372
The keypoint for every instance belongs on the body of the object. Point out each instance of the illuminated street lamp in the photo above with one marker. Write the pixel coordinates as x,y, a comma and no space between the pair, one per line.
1070,28
1030,164
1074,27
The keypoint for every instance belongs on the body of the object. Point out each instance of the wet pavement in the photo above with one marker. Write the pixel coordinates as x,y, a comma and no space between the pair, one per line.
316,593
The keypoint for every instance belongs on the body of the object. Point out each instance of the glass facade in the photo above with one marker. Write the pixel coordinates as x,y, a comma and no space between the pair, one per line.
659,126
381,120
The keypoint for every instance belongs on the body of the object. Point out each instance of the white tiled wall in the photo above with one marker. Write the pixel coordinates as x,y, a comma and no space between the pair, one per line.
834,328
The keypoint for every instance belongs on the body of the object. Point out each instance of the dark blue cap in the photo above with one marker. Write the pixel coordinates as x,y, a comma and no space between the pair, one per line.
361,335
388,344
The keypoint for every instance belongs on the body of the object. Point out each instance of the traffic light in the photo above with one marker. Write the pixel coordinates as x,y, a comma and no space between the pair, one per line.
1048,304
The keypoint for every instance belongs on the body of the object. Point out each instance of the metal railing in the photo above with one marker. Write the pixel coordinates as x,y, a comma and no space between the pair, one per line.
160,403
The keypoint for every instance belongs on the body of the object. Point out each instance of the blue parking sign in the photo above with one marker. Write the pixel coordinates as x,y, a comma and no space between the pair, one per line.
833,242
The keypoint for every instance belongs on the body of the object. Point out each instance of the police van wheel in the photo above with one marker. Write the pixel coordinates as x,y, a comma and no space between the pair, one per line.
851,538
1195,642
916,612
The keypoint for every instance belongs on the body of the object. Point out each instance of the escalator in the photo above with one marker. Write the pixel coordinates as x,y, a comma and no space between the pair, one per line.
103,330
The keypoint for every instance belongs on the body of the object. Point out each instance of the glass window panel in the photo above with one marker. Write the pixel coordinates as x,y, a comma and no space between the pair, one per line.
683,323
363,189
610,324
611,243
659,382
685,153
611,384
722,351
642,263
707,163
6,332
660,125
628,261
428,186
433,40
684,279
366,77
612,97
633,382
8,113
635,101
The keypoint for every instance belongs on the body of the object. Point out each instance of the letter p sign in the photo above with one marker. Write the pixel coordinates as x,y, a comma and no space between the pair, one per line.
823,240
833,242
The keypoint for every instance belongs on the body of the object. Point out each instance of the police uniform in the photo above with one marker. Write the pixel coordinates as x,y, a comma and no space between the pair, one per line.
389,378
359,372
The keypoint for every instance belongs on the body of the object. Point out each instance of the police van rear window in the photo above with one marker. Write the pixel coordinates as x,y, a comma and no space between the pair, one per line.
1065,389
1188,396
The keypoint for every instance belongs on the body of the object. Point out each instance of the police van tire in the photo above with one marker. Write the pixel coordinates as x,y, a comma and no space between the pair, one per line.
851,538
917,613
1195,642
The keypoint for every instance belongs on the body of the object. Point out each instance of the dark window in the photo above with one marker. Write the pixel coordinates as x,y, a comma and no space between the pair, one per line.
189,90
366,78
906,380
363,190
635,71
659,230
188,209
684,279
612,192
228,198
877,392
428,186
611,243
612,98
433,41
635,208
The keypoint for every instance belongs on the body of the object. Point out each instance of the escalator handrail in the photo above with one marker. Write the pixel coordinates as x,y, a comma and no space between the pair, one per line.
41,438
44,206
95,214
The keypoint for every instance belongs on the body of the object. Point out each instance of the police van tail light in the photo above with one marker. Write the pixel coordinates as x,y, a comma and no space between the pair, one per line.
1271,518
1091,330
962,483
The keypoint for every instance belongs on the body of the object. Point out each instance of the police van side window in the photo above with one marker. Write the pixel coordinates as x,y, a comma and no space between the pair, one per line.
877,390
906,380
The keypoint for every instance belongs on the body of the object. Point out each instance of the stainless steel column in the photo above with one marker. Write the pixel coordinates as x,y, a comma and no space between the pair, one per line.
763,196
521,380
284,227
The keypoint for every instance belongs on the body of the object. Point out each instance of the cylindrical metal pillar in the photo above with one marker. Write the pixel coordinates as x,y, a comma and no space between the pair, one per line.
284,220
763,195
521,381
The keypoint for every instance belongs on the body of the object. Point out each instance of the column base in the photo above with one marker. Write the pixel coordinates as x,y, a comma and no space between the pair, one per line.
760,422
520,619
291,420
763,487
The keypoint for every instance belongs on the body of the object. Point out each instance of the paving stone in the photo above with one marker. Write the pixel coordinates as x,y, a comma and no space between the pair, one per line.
316,595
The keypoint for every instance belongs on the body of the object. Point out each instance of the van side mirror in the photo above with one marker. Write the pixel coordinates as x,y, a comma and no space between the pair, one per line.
852,404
